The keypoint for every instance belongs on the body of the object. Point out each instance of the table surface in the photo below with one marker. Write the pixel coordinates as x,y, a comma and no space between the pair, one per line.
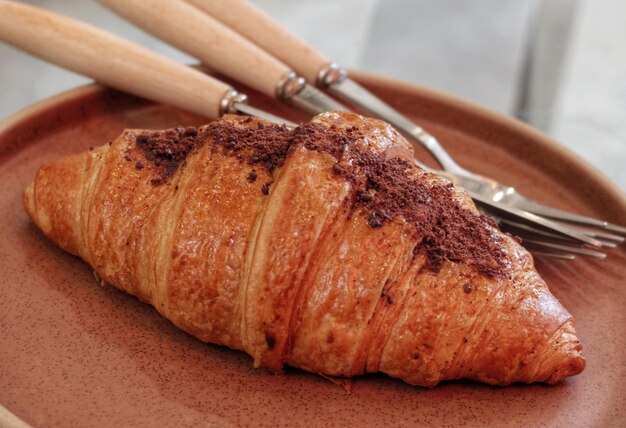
474,49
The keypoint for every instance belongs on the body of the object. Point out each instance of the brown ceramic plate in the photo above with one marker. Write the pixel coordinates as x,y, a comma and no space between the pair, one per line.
73,353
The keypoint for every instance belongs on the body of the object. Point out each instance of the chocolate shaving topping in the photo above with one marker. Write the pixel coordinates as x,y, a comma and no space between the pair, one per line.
387,188
263,144
265,189
383,188
165,150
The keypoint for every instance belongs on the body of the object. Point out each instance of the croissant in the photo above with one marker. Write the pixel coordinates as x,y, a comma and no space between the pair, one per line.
321,247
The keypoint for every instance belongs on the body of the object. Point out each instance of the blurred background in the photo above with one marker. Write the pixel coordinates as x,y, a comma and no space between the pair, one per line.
560,65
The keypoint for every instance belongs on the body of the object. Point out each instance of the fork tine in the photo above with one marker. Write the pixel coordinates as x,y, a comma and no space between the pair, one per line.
555,213
519,229
607,244
616,228
536,241
594,233
566,248
530,218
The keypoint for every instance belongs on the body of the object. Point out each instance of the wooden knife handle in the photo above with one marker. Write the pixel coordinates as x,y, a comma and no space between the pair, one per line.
204,37
257,26
109,59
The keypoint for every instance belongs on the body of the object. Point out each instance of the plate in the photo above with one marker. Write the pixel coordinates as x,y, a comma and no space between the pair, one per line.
73,353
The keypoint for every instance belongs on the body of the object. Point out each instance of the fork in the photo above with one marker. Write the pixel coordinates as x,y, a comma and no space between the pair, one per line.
134,69
249,21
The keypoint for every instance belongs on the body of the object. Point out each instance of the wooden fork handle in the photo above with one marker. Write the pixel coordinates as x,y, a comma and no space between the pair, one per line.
254,24
205,38
109,59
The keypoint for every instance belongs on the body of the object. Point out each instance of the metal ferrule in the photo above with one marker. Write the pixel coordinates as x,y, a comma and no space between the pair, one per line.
330,74
235,102
293,88
230,98
289,85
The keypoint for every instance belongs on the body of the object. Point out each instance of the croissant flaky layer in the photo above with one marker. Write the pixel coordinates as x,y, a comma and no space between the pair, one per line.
322,248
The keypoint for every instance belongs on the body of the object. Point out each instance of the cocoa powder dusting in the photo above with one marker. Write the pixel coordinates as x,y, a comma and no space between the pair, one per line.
386,188
382,188
264,144
165,150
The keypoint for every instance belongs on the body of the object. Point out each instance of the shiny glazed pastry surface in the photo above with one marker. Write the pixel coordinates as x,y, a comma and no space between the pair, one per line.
322,248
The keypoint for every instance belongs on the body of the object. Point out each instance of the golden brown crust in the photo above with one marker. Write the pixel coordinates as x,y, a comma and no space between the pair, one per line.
276,261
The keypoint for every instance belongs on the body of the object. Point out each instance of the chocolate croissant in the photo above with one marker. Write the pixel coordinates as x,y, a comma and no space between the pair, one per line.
322,247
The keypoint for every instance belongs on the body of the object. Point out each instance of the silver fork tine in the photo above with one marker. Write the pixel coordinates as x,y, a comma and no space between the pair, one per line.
607,244
595,233
555,213
565,248
520,228
538,248
544,243
527,217
539,241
